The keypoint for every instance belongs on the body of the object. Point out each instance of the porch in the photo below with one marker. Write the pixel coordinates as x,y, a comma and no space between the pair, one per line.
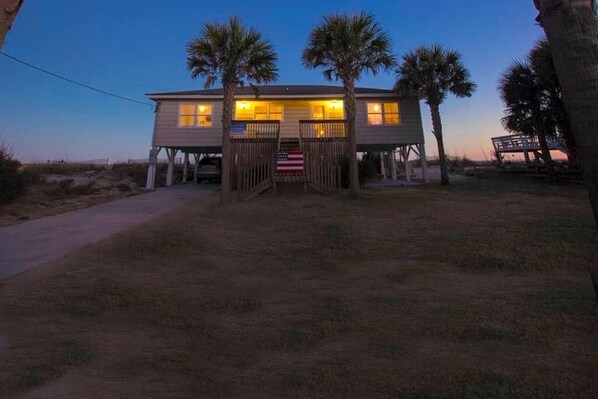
256,148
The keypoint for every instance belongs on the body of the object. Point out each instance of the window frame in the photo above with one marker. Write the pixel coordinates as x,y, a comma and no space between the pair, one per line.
383,113
195,115
268,113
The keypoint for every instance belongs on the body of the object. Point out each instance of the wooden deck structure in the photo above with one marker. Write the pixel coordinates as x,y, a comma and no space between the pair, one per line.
520,143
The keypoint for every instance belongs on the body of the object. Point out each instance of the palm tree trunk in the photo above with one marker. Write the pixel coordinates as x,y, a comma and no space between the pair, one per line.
546,154
437,130
227,116
572,31
350,110
8,12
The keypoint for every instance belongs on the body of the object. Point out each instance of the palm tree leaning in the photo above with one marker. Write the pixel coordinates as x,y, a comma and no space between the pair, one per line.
432,73
235,55
528,108
346,46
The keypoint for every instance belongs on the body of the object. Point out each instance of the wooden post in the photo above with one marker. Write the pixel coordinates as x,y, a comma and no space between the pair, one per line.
185,163
382,168
406,163
393,166
150,183
171,153
195,166
526,155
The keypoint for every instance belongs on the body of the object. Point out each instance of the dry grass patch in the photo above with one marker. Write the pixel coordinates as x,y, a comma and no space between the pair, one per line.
470,291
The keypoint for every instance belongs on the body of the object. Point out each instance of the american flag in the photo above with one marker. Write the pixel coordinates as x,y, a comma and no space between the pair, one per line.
289,163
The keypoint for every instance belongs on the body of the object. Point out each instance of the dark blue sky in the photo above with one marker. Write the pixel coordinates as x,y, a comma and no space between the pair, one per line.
132,47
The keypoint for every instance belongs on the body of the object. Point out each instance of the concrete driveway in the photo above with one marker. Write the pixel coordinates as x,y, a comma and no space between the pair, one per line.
30,244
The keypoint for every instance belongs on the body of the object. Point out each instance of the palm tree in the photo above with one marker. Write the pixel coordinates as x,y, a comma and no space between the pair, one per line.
572,31
432,73
540,59
8,12
528,107
346,46
235,55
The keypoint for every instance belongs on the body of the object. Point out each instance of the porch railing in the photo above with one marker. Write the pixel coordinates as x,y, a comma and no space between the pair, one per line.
324,138
252,129
322,174
524,143
252,148
255,176
323,128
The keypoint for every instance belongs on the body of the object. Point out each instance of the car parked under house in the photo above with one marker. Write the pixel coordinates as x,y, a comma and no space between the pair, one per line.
304,118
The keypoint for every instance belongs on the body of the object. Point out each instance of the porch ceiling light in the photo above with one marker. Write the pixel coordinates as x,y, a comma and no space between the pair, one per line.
334,104
243,105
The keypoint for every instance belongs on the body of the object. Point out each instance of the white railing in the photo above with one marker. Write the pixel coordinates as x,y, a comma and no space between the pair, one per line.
523,143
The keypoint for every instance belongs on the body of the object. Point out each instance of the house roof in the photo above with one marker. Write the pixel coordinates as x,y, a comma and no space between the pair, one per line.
270,91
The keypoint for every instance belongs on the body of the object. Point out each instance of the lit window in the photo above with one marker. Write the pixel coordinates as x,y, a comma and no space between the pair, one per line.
275,112
258,111
391,113
204,115
261,112
375,113
186,115
192,115
383,113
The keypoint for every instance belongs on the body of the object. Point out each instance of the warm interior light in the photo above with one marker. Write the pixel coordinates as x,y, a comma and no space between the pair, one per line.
202,108
333,104
376,108
244,105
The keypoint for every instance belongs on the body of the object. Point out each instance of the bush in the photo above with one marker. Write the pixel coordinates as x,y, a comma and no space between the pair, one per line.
12,180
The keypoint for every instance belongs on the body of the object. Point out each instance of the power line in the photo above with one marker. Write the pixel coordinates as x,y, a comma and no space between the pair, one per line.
74,82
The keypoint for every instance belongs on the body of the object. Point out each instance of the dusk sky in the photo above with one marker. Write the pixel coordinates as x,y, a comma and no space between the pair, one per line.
131,47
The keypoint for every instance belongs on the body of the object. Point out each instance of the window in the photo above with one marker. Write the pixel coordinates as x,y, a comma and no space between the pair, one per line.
195,115
391,113
204,115
275,112
245,110
383,113
330,110
261,113
186,115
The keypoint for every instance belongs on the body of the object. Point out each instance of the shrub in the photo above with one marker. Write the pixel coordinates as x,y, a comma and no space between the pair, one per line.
12,180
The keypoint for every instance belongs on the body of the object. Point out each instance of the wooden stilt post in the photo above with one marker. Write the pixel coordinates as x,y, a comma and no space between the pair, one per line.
393,166
195,166
382,168
526,155
150,183
171,153
185,163
406,163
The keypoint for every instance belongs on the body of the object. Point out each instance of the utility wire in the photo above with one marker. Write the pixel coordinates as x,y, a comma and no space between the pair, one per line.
74,82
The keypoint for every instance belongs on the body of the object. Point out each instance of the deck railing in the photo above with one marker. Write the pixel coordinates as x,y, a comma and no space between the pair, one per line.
324,138
524,143
251,129
321,174
255,176
323,129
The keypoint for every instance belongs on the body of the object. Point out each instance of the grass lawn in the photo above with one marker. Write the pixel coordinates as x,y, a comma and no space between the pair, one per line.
480,290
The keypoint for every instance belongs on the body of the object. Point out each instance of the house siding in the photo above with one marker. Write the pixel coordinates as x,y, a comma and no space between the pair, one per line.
168,134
